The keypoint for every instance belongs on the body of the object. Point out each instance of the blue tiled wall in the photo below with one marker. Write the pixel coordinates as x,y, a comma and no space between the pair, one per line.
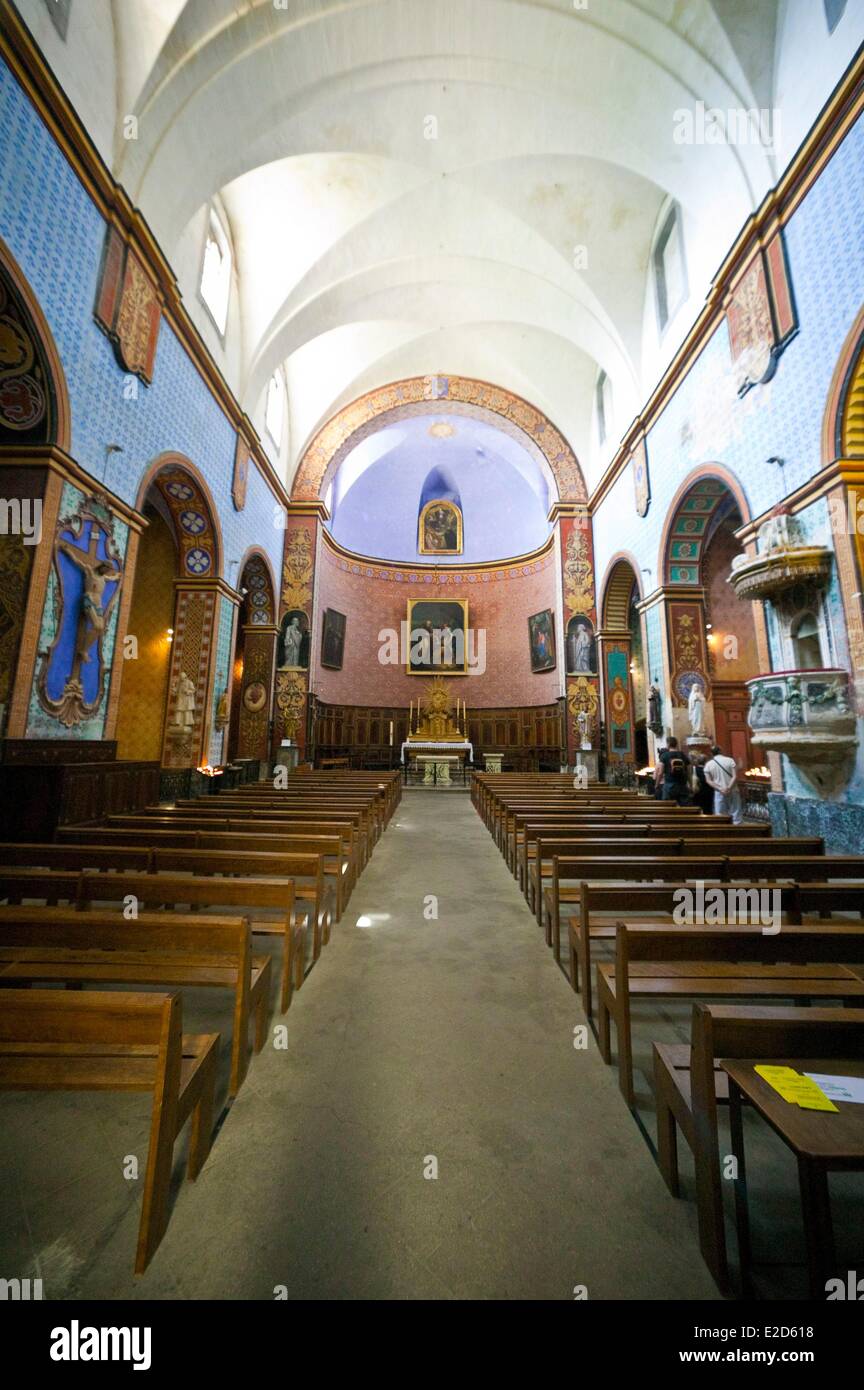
705,422
56,234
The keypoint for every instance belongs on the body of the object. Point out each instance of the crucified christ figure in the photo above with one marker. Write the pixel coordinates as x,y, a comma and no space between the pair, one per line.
96,575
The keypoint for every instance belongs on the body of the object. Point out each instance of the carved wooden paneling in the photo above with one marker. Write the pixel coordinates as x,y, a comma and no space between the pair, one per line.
363,734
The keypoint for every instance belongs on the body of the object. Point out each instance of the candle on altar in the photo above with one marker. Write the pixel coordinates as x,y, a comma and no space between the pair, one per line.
410,714
391,733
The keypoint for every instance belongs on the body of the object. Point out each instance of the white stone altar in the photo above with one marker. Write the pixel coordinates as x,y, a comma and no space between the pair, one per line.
438,746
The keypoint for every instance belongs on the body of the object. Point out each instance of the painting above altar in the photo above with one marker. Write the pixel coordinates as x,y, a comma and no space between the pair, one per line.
437,634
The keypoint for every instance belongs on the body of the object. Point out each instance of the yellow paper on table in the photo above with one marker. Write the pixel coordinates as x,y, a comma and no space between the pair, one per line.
795,1088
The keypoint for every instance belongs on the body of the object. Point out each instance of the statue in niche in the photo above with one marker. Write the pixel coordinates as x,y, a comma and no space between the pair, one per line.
581,647
292,644
655,710
184,703
696,709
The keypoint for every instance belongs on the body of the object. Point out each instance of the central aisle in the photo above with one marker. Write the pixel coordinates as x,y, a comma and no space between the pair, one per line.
414,1038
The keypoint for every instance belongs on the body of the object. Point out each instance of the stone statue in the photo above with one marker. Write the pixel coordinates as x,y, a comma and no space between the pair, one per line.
584,727
696,709
655,710
184,703
582,650
292,637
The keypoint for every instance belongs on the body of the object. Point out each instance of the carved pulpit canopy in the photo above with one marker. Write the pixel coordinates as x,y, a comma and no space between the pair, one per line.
784,559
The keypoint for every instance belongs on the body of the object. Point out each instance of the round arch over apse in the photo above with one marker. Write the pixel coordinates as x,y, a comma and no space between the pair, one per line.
414,396
691,509
11,274
622,573
195,519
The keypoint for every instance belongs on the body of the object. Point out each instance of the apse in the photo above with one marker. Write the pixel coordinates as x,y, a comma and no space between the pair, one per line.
391,476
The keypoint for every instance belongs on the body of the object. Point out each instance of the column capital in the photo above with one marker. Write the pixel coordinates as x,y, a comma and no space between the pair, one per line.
309,507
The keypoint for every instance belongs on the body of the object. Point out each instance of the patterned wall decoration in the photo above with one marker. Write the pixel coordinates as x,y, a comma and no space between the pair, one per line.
689,529
254,726
15,564
760,316
188,684
377,408
296,593
127,307
217,750
260,601
291,703
192,522
88,575
48,219
619,713
583,692
27,403
688,653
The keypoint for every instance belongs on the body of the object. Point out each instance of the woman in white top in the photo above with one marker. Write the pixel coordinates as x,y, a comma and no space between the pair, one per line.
721,774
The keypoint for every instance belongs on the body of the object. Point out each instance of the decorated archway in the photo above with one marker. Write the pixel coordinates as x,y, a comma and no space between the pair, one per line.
415,395
622,666
34,419
712,638
252,674
510,414
177,641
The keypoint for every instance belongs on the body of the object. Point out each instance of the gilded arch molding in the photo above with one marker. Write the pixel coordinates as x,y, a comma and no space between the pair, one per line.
464,395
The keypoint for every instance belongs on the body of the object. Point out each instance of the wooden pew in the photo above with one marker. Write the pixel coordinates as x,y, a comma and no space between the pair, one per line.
689,1086
595,922
50,944
776,868
352,848
51,1040
715,844
659,962
328,848
253,895
205,853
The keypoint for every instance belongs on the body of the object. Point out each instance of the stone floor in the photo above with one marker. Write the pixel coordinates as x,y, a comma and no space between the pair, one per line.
420,1042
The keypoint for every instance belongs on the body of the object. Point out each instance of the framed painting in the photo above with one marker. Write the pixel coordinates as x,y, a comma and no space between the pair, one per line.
440,529
437,637
333,640
541,633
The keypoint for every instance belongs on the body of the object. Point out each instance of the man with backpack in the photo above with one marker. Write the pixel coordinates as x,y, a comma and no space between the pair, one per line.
671,773
721,773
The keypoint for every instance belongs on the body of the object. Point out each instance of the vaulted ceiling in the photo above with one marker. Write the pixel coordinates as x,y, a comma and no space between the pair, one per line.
467,186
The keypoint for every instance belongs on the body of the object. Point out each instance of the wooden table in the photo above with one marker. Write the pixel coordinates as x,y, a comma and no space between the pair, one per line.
821,1141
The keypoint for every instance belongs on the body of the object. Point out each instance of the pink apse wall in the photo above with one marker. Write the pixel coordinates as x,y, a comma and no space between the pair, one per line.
374,596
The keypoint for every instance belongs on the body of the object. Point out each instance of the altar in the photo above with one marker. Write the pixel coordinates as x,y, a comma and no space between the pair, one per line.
437,744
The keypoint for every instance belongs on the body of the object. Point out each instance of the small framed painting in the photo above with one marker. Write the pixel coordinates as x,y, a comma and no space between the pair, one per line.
333,639
541,634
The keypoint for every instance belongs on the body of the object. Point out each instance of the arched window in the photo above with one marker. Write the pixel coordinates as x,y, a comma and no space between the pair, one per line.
215,286
274,411
834,11
807,643
604,407
670,274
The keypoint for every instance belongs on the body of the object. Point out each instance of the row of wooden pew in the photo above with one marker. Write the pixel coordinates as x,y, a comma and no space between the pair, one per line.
623,878
185,896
